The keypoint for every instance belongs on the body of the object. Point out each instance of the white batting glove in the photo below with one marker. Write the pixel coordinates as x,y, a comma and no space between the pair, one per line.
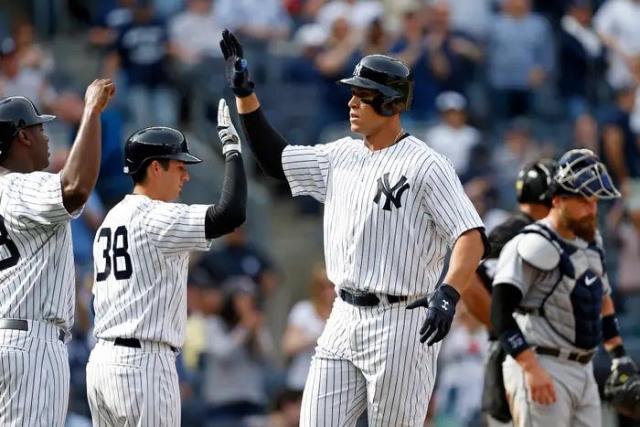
226,131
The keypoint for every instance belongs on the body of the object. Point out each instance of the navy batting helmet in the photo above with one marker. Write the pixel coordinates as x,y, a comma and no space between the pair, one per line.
534,182
158,142
580,172
389,77
17,112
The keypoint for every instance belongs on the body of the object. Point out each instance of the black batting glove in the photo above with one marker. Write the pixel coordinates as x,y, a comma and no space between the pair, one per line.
236,69
441,306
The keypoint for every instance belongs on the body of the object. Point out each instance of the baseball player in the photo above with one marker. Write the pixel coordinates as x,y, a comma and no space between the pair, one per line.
534,201
141,255
37,278
392,208
551,303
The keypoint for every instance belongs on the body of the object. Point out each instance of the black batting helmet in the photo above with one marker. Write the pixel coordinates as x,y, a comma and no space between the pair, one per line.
158,142
581,173
389,77
534,182
17,112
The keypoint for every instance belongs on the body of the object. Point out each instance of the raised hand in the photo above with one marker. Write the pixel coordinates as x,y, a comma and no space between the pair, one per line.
226,130
99,93
236,69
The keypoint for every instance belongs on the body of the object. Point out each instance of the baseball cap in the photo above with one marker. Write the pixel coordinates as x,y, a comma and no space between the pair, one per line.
451,101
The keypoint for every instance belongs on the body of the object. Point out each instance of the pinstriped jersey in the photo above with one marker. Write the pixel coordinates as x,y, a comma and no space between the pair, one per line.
37,276
141,256
390,214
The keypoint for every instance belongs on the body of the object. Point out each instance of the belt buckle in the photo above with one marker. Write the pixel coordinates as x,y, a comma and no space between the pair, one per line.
564,354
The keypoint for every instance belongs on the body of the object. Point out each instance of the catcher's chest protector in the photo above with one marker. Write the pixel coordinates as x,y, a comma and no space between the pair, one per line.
573,305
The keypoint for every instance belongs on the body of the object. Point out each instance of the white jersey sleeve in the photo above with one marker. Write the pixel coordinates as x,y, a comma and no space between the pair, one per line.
36,199
446,202
307,168
175,227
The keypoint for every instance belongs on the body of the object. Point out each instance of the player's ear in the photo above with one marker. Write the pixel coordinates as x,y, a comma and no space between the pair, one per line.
23,137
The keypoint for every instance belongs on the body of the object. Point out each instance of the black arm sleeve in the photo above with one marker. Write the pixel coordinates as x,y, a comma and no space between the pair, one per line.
230,211
505,298
265,142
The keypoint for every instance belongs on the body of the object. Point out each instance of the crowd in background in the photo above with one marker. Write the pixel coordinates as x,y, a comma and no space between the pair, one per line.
497,83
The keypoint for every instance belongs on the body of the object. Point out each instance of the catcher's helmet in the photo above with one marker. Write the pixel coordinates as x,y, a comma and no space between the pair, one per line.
580,172
17,112
389,77
158,142
534,182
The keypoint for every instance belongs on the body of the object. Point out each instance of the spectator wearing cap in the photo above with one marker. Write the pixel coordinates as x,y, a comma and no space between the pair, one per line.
580,54
238,348
452,136
521,60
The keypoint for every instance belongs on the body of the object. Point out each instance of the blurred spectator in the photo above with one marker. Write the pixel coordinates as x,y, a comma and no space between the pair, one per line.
109,21
238,348
585,133
306,322
459,388
621,150
520,55
140,52
617,23
31,54
453,137
18,80
237,257
287,410
483,197
301,68
376,40
302,11
518,148
473,17
580,50
255,21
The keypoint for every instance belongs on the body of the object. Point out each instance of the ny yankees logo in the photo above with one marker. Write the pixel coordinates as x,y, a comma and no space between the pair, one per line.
392,194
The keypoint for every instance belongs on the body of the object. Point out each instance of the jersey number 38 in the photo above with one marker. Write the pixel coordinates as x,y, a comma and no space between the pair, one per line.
115,254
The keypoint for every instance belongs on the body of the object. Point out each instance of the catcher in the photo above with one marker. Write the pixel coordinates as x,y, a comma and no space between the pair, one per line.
551,307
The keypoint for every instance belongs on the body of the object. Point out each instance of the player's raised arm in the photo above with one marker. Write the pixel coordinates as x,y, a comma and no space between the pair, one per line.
80,172
265,142
230,211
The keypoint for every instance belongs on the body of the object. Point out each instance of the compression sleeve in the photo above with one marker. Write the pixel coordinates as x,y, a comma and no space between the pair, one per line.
504,301
230,211
265,142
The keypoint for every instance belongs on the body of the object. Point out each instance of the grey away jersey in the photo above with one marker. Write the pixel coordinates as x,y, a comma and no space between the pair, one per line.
141,255
390,214
36,258
536,284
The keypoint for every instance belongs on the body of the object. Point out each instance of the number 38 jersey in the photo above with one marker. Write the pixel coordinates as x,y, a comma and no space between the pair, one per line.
37,277
141,257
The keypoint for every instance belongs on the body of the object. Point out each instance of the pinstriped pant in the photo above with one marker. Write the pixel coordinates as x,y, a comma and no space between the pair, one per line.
34,377
370,358
133,387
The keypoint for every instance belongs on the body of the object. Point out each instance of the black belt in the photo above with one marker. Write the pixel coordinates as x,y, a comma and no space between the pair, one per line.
134,343
366,299
583,358
23,325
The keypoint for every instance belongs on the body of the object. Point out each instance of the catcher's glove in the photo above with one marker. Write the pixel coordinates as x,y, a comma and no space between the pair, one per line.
622,388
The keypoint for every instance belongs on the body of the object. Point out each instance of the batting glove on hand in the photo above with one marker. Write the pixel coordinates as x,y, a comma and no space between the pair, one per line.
226,131
441,306
236,69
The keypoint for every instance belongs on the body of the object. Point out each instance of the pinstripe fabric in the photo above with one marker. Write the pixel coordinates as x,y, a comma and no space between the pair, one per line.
129,387
151,304
370,357
34,379
390,217
37,284
399,251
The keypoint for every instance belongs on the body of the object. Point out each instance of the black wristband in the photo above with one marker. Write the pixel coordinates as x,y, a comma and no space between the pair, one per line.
610,328
514,342
617,352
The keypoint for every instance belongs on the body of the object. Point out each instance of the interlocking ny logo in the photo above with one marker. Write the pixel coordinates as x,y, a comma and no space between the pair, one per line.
392,194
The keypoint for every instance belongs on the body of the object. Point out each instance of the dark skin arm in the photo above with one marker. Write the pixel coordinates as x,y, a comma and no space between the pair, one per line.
80,172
